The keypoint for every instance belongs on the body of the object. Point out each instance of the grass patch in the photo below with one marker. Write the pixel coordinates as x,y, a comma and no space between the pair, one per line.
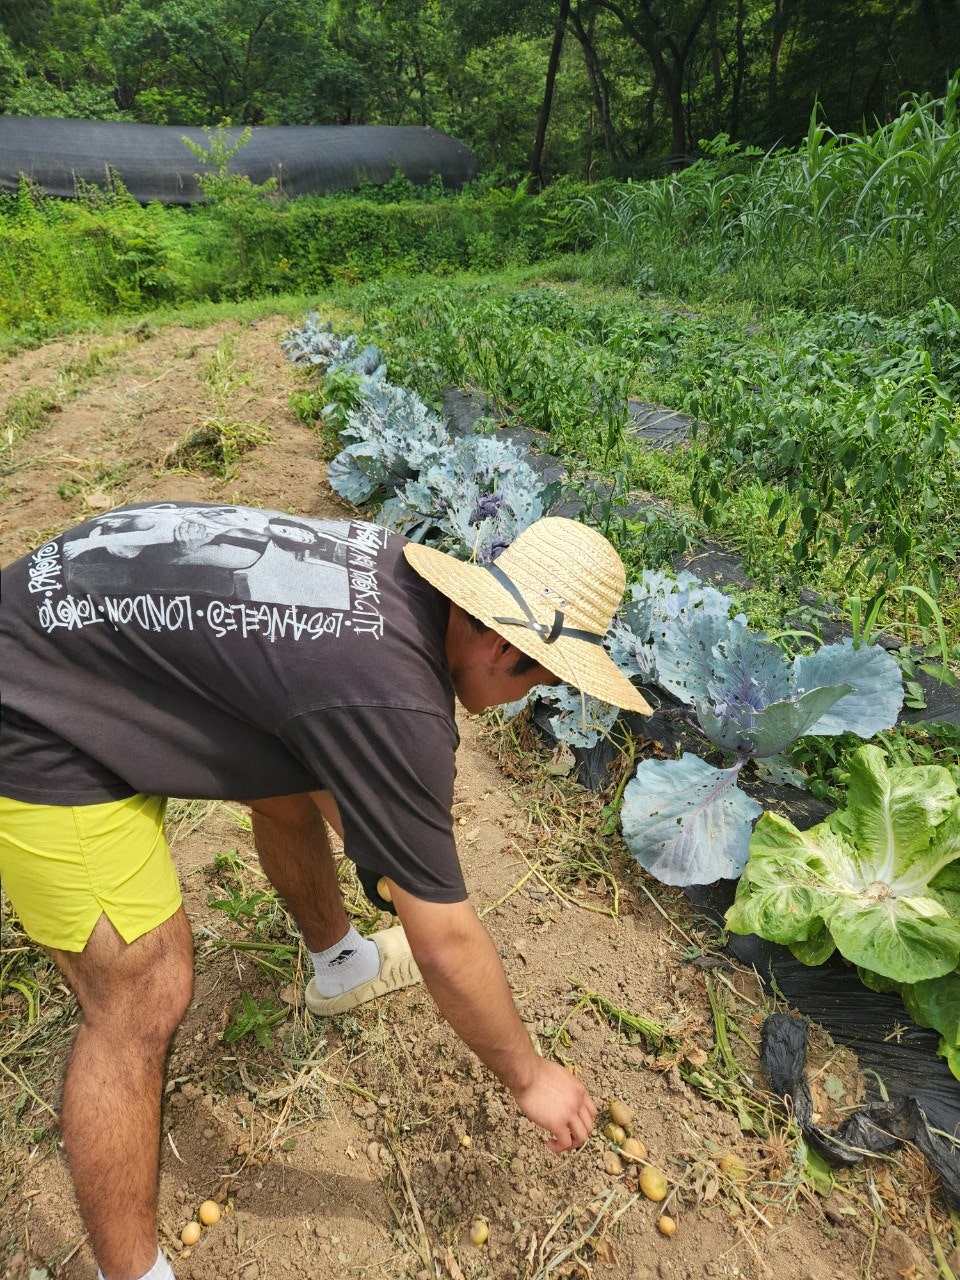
25,414
37,1017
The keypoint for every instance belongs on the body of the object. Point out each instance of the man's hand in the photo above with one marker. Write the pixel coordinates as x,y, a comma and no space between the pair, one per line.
558,1102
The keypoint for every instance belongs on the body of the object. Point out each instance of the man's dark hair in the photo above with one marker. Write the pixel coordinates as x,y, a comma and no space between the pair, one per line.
524,662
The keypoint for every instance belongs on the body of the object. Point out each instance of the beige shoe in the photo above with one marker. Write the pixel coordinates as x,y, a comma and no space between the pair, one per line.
398,969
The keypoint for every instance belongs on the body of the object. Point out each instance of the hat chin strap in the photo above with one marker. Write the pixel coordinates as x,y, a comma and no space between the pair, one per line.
548,634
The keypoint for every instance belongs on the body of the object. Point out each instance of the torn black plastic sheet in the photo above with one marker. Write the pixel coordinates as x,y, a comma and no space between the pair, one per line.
898,1060
875,1129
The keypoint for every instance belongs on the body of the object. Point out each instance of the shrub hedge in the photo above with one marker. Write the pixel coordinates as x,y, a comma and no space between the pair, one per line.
63,261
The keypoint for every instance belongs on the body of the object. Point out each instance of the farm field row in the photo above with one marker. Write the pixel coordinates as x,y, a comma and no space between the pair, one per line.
341,1147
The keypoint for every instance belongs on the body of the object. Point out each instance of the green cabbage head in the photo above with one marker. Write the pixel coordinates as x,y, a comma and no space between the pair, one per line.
875,881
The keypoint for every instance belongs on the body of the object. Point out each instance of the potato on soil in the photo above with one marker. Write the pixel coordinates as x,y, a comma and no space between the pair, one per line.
666,1226
613,1133
209,1213
632,1149
612,1163
479,1232
620,1113
190,1233
653,1182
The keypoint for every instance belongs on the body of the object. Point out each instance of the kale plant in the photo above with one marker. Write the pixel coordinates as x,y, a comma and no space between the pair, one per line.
471,499
316,345
577,720
686,821
391,437
653,601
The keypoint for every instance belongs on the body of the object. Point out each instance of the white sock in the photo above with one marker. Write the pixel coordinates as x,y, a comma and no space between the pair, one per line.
347,964
159,1271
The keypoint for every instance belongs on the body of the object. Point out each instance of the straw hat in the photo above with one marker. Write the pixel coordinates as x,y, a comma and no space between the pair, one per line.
552,593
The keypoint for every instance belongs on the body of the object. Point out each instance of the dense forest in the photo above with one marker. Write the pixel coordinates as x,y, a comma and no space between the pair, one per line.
589,88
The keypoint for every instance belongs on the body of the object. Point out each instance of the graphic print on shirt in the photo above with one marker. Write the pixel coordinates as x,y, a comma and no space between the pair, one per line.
267,572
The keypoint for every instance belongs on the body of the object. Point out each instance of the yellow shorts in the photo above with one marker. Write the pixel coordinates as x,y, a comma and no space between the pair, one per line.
64,867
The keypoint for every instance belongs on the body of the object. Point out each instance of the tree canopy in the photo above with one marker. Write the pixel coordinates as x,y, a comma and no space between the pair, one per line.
585,87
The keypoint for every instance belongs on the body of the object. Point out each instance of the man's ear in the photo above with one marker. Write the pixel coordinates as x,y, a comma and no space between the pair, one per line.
488,646
500,652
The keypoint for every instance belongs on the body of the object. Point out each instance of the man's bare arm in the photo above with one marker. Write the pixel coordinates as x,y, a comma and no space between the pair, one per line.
464,975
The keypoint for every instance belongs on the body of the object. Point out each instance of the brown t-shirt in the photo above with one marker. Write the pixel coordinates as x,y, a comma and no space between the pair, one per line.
219,652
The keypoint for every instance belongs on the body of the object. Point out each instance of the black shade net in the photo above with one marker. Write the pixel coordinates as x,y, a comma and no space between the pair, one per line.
153,163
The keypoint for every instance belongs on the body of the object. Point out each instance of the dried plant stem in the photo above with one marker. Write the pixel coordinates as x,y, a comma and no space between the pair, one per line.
582,1239
23,1085
423,1247
509,894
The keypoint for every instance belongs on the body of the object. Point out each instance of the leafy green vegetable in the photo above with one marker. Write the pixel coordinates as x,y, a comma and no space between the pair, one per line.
316,345
471,495
682,816
749,700
471,498
863,880
578,720
936,1003
390,438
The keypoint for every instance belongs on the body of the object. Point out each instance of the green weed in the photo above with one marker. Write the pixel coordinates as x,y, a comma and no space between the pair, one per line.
832,220
327,407
222,437
256,1018
261,929
223,187
246,897
824,760
36,1014
858,437
91,478
64,263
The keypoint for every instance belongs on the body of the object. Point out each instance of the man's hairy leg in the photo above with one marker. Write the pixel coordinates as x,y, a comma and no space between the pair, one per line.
133,997
294,851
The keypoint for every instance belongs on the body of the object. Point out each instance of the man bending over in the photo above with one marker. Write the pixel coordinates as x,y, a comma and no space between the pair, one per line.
327,698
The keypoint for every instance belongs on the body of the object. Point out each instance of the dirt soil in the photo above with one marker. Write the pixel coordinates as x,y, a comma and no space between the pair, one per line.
368,1145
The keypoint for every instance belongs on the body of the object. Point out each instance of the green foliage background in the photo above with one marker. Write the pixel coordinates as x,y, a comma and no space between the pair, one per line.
802,306
63,262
